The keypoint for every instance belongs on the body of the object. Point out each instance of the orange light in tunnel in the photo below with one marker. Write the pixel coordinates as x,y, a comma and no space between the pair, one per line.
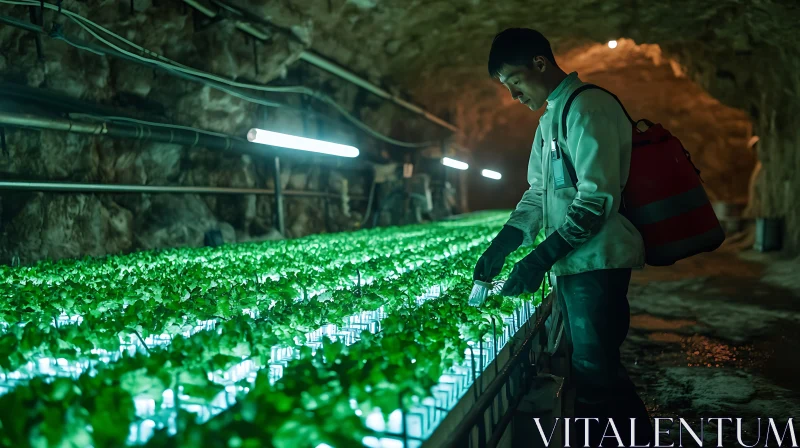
612,44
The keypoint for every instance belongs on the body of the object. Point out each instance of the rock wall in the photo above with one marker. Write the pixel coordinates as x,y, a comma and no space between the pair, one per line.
770,95
35,226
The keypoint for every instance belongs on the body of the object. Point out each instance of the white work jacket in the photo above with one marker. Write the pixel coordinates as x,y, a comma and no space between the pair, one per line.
586,210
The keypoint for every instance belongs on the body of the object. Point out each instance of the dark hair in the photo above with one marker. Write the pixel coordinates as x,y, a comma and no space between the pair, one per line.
518,46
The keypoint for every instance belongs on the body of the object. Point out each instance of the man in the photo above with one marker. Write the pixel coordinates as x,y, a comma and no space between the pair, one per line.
590,247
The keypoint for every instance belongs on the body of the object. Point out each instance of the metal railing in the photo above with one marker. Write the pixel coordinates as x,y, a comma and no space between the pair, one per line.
484,414
68,187
186,137
75,187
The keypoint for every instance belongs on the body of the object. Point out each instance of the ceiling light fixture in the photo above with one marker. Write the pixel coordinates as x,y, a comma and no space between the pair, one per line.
453,163
301,143
491,174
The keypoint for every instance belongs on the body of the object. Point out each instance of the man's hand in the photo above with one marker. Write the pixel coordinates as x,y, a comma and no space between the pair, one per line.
489,265
491,262
526,277
528,274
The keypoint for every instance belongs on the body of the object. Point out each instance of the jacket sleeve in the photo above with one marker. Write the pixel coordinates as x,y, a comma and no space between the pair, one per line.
596,143
527,217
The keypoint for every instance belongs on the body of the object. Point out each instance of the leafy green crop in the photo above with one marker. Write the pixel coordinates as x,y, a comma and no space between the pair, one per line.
168,320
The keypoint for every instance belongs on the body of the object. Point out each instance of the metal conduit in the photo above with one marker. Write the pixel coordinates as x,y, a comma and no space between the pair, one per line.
71,187
165,135
134,131
330,67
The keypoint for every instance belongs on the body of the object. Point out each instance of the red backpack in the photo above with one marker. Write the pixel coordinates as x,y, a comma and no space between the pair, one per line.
664,197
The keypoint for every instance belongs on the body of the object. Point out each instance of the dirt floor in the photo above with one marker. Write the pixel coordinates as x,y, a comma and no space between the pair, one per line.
718,336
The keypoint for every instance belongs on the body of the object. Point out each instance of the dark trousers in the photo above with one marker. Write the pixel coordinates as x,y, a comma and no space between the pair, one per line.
596,319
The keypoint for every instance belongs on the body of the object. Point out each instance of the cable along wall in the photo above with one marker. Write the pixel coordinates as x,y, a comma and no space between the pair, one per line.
166,95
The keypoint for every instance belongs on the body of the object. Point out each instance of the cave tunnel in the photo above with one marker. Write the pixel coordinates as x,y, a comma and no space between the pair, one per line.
650,85
257,223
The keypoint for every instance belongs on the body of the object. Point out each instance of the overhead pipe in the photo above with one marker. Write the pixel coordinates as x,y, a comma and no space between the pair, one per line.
318,61
328,66
20,24
165,135
60,102
150,133
73,187
54,124
133,131
252,31
144,132
22,98
241,25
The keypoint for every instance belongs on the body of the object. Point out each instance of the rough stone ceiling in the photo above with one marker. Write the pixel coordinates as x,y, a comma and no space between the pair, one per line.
742,52
435,49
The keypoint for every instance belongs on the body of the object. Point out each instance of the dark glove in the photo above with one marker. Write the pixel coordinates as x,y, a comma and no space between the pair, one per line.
528,274
491,262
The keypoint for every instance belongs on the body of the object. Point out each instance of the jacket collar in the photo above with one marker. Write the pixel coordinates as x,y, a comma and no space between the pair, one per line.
561,93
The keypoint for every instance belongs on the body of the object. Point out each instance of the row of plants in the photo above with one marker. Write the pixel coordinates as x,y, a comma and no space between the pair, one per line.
74,411
62,287
120,314
395,368
73,405
92,270
302,407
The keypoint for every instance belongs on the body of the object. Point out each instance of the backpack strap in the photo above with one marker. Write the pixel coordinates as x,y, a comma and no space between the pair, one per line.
635,124
575,95
567,163
570,168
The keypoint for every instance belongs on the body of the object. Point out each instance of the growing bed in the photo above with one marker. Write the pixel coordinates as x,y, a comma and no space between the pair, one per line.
352,339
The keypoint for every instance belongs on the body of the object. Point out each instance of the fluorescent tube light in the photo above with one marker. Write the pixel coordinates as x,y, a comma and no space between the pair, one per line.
452,163
303,144
491,174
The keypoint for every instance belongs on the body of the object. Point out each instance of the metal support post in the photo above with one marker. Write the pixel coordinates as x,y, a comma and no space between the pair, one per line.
37,18
445,205
325,186
279,218
462,192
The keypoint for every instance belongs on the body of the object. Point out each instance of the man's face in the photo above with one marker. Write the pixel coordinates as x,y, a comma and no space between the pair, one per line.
526,85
